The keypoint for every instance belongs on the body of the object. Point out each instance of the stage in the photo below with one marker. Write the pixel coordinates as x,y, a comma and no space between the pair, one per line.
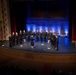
65,46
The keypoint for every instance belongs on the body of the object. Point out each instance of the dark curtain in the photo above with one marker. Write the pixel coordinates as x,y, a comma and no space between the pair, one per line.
12,17
73,22
73,27
13,23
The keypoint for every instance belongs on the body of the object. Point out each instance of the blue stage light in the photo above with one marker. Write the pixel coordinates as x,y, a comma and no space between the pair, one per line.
66,33
28,28
53,30
55,25
46,28
40,28
59,31
34,29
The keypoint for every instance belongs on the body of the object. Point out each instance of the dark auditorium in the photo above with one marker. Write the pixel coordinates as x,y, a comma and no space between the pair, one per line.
37,37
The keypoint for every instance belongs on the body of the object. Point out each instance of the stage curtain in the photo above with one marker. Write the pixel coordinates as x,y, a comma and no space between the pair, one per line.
73,28
13,23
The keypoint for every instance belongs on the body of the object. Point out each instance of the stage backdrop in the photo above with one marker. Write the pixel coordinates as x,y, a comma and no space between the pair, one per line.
52,16
39,15
60,26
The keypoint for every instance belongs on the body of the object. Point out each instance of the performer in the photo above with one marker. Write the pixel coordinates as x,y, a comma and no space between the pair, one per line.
24,36
48,33
49,39
51,36
16,39
13,39
45,35
10,41
28,34
37,36
33,33
20,38
41,36
56,45
32,42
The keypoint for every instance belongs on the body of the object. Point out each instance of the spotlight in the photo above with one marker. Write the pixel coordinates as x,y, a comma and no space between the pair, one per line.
66,33
34,30
59,32
28,28
46,29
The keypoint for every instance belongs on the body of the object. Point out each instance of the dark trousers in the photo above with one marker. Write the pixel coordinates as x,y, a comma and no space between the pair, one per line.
32,43
41,38
28,38
10,44
20,40
44,39
37,39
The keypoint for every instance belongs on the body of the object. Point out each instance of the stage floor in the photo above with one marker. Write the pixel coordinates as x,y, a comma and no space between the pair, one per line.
64,46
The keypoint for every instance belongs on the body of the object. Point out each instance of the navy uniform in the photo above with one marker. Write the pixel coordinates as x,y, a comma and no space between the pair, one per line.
56,46
32,41
52,39
33,33
41,35
28,34
37,36
51,36
10,42
48,39
45,35
13,39
20,37
24,36
16,39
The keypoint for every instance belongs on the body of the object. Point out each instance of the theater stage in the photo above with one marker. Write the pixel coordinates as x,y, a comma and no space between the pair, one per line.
65,46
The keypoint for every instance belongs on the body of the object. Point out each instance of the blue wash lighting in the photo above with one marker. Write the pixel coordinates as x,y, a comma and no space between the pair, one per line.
53,29
66,33
46,28
59,33
28,27
34,29
56,25
40,28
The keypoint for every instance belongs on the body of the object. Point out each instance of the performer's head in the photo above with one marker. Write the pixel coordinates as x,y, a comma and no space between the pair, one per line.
32,36
13,33
23,31
20,31
16,33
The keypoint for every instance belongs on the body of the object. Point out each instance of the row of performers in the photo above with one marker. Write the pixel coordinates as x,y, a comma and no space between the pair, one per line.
16,39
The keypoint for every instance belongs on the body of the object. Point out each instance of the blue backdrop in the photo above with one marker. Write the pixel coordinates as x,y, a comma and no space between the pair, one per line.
60,26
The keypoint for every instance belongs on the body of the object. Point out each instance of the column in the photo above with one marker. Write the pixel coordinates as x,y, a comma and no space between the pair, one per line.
6,28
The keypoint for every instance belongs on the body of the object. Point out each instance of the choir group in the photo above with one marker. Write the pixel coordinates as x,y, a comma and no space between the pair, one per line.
20,38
